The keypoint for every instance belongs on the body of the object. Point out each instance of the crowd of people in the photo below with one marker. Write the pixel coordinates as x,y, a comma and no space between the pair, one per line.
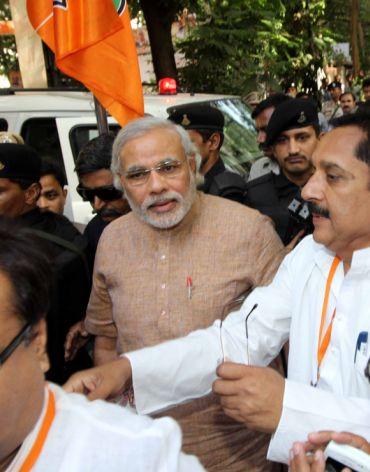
233,309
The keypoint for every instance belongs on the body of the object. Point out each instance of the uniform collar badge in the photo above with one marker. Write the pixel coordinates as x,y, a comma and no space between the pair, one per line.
302,118
185,120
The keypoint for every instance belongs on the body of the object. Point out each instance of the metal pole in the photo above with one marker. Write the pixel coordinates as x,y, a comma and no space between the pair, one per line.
101,117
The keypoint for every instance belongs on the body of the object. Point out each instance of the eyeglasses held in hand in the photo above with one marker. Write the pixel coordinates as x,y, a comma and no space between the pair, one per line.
106,193
233,306
12,346
167,169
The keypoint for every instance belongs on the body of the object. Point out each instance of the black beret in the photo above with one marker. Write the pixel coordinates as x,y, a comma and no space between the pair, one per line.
295,113
197,116
18,161
334,85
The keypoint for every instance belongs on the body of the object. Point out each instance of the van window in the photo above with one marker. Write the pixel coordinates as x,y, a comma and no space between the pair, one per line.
81,135
42,135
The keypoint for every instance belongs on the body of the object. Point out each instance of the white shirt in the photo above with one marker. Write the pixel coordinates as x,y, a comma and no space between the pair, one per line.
179,370
100,436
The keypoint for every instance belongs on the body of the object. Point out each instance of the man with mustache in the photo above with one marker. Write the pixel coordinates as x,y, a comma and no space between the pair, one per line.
96,186
348,103
292,133
318,300
177,262
261,115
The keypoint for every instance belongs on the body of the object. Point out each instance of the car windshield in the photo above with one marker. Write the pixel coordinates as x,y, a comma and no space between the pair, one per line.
240,148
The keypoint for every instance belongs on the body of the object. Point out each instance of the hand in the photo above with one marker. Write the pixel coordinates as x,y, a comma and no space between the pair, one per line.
300,462
321,439
76,338
103,382
251,395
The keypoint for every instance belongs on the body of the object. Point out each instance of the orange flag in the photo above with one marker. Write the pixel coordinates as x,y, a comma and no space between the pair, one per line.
93,43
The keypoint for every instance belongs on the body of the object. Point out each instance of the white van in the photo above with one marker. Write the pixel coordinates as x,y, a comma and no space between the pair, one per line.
59,123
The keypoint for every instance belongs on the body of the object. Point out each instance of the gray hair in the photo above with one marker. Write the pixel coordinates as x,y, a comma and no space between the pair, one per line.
139,128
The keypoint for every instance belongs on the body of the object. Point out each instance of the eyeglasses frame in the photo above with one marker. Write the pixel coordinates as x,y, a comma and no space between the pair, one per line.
16,341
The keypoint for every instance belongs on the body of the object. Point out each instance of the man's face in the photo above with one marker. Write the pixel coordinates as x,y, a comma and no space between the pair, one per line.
340,189
293,150
347,103
367,93
21,378
261,122
335,93
164,198
52,196
110,209
12,199
203,147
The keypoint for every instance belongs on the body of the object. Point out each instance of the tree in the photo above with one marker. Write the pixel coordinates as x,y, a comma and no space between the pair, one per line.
8,55
241,44
159,16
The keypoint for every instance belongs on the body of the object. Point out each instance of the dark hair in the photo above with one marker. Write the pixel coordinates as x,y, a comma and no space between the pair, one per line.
366,82
206,134
271,101
51,167
302,95
347,93
95,155
24,262
360,119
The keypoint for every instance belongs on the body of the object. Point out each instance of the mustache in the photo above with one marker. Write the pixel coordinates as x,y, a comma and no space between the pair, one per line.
318,210
301,156
148,202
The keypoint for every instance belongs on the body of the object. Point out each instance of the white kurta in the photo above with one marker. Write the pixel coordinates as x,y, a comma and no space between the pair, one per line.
179,370
99,436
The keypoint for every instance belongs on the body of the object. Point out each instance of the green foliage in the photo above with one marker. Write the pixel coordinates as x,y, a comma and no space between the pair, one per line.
8,54
242,44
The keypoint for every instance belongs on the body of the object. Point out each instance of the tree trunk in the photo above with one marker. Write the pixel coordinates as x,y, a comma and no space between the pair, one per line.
355,50
159,22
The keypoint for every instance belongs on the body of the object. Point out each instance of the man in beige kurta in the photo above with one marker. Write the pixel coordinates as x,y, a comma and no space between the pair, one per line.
153,284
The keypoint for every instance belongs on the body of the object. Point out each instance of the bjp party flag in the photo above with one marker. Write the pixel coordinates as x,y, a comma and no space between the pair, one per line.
93,43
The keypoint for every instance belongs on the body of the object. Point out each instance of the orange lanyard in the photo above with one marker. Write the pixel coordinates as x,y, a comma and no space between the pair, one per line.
324,339
36,449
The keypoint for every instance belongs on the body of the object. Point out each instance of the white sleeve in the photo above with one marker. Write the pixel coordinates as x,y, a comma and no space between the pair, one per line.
183,369
307,409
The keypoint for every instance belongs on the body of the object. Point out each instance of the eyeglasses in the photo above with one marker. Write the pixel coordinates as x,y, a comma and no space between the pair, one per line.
167,169
106,193
12,346
235,304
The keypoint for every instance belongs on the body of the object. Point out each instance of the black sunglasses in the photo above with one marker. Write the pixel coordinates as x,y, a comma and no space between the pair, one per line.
107,193
12,346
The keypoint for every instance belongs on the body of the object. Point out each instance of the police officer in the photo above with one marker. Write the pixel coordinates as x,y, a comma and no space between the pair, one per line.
331,108
292,133
205,125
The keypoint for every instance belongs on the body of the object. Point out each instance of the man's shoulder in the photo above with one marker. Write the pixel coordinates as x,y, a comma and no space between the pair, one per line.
124,225
266,179
61,227
304,253
222,209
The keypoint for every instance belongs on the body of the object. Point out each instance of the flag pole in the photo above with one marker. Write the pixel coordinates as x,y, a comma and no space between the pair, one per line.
101,117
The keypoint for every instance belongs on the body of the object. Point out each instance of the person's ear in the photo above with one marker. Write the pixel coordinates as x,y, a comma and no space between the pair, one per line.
214,141
192,164
65,192
32,194
38,343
